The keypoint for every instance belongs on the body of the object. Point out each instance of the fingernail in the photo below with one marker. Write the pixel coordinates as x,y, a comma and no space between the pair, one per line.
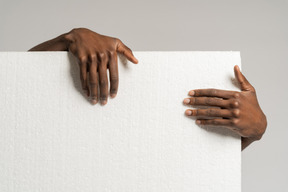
186,101
103,102
198,122
188,112
113,95
191,93
94,101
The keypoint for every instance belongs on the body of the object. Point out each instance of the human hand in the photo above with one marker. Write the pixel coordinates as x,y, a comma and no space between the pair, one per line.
237,111
96,53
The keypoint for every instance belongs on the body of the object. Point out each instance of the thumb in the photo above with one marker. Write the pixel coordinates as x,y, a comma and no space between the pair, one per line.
244,83
126,51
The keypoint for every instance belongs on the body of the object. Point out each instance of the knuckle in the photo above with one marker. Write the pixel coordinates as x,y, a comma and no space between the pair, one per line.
214,122
111,53
93,57
83,59
93,84
102,57
94,96
103,96
210,112
214,91
196,92
103,82
234,122
193,101
236,95
209,101
234,104
210,91
236,113
114,80
203,122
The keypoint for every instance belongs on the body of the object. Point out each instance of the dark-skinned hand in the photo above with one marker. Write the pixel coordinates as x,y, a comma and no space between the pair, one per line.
237,111
95,53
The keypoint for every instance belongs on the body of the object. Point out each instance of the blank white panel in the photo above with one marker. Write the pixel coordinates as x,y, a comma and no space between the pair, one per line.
53,139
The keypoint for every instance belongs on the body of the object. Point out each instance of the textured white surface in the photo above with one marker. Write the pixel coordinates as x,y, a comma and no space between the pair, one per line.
52,139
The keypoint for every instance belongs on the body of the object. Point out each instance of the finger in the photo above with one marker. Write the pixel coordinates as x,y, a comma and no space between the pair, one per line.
212,93
214,122
83,76
126,51
212,112
103,61
244,83
207,101
93,81
113,74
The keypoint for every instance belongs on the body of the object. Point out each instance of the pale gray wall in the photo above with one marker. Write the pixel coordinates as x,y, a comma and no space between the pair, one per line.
256,28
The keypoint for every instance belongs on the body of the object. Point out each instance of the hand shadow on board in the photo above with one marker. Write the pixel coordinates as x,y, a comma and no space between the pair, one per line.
75,75
219,130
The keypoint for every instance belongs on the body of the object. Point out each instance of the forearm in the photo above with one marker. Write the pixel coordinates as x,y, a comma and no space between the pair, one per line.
59,43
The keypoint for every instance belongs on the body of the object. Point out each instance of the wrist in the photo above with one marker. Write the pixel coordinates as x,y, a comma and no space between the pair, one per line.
60,43
261,129
66,39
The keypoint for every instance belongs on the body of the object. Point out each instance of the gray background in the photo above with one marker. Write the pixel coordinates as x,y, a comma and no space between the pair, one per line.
256,28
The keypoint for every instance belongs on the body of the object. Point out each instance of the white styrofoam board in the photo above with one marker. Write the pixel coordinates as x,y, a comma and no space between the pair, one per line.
52,139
